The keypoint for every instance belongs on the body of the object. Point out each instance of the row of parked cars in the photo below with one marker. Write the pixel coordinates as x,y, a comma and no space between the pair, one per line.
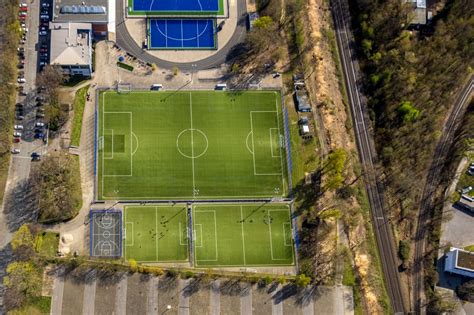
45,16
22,17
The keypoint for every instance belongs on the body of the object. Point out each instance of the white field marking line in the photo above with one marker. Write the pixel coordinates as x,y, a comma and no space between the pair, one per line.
132,238
243,236
270,232
166,30
197,32
181,236
195,233
182,36
131,148
281,154
156,232
247,142
103,152
136,138
284,233
271,143
253,146
215,233
192,139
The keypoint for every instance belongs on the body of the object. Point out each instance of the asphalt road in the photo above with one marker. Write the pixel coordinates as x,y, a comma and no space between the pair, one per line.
125,41
432,181
367,154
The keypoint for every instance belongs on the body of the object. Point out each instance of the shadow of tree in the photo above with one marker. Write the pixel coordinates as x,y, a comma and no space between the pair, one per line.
21,205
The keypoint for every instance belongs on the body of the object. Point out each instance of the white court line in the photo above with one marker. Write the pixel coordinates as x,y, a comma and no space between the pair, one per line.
270,232
215,234
197,32
253,147
195,233
281,155
103,151
192,140
271,143
182,36
181,236
243,236
284,233
133,240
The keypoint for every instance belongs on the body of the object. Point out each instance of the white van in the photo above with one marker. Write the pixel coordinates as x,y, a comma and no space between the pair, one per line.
156,87
221,86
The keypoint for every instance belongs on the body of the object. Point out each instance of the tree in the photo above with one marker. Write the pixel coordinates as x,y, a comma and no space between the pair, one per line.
263,22
333,169
58,186
24,277
302,280
22,237
466,291
153,67
175,70
408,112
133,265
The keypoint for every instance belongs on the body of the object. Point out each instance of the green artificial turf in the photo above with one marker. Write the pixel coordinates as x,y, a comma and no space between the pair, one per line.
131,11
156,233
193,145
242,235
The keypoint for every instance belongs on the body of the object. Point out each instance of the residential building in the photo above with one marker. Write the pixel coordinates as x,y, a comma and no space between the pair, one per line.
459,261
71,47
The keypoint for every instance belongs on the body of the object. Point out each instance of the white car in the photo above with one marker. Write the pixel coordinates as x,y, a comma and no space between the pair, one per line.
18,127
22,5
42,33
17,134
45,5
39,124
21,80
15,151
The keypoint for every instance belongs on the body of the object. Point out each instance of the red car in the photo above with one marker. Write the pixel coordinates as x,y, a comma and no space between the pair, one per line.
16,140
24,9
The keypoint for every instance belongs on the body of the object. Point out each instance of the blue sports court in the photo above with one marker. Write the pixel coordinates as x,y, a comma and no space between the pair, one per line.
176,6
182,33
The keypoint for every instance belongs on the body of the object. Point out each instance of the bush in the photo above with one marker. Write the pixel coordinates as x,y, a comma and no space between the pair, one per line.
171,273
133,265
124,66
404,250
302,280
187,274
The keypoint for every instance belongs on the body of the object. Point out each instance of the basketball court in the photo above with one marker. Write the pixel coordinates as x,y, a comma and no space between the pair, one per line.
182,34
106,233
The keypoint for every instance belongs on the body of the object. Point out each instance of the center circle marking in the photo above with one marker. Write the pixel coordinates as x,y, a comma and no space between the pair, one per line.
106,234
195,132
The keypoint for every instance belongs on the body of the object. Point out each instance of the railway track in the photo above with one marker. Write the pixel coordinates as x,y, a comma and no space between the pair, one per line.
429,188
367,154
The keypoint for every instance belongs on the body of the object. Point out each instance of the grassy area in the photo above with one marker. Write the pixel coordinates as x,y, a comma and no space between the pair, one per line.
469,248
350,279
466,180
242,235
191,144
47,243
124,66
36,306
79,104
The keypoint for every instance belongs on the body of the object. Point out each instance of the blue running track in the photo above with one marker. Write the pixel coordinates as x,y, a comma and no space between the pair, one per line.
176,5
182,34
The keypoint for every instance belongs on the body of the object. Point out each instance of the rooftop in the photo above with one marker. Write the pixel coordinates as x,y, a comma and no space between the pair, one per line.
70,43
80,11
465,260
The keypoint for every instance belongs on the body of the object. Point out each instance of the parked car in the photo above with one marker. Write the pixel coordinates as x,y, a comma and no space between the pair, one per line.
20,117
23,5
17,134
39,124
15,151
44,55
42,33
23,9
39,115
22,14
35,156
45,5
43,63
21,80
44,17
39,135
40,98
16,140
18,127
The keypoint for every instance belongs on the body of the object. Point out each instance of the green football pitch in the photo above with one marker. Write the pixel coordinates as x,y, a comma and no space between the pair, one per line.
190,145
156,233
242,235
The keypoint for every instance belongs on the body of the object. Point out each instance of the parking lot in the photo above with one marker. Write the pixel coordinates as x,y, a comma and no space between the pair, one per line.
94,292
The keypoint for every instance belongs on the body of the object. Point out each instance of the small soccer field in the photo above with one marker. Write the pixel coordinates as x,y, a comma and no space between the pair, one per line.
190,145
242,235
156,233
176,7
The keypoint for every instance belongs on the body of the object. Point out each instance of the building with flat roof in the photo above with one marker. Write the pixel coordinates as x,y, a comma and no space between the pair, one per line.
71,47
467,202
100,13
459,261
